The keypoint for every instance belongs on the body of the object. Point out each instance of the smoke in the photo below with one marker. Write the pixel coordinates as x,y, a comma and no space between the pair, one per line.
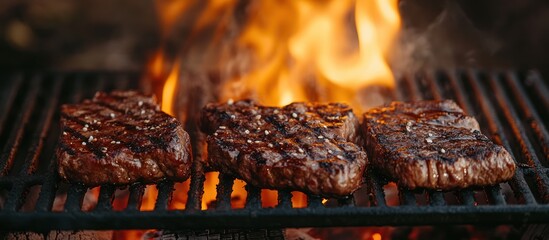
449,40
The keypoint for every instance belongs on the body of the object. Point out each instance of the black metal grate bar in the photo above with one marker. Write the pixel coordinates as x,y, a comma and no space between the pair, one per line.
40,134
509,106
253,200
8,97
314,202
407,197
136,195
529,113
47,193
466,197
496,131
224,190
495,196
20,123
197,184
106,194
75,194
165,190
537,86
376,191
284,199
519,131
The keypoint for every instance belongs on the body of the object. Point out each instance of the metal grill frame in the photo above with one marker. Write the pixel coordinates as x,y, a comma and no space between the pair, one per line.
509,106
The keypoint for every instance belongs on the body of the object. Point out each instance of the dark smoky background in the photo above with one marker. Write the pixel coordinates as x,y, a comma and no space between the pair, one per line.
121,35
76,35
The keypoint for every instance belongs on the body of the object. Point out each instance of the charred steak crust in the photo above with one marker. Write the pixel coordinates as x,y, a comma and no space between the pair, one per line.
433,144
121,138
302,146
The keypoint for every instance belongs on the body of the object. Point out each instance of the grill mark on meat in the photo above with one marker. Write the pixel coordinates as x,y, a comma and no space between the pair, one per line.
258,158
141,144
433,144
296,147
113,108
116,98
278,125
89,145
133,147
66,148
271,119
80,122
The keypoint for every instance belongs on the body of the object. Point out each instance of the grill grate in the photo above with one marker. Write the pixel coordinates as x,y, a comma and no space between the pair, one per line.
511,107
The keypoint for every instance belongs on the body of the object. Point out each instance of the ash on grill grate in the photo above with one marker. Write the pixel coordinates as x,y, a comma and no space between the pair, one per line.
511,108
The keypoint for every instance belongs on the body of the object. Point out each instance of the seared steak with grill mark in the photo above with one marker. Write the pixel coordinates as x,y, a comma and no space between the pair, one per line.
121,138
433,144
302,146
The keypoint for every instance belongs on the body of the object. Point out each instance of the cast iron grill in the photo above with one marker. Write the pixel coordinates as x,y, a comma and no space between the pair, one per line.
511,107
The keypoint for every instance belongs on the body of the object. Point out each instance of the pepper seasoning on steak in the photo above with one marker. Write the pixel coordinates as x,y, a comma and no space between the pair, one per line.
308,147
121,138
433,144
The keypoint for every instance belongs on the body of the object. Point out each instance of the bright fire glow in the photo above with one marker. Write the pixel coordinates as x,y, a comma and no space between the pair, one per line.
299,200
168,91
149,198
179,198
376,236
239,194
210,184
269,198
322,51
305,51
169,11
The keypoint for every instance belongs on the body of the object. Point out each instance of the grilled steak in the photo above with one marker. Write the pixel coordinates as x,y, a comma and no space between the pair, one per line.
121,138
302,146
433,144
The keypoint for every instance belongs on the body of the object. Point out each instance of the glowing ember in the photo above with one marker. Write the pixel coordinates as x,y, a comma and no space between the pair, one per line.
376,236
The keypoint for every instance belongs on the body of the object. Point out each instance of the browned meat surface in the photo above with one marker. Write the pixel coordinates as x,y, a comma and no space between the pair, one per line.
121,138
303,146
433,144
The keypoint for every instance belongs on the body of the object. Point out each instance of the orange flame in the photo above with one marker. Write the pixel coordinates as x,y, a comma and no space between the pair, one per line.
156,66
210,190
303,50
269,198
299,200
179,198
238,197
293,51
168,92
169,12
149,198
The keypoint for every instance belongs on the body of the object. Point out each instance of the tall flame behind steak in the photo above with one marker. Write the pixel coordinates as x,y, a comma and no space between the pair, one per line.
121,138
433,144
303,146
